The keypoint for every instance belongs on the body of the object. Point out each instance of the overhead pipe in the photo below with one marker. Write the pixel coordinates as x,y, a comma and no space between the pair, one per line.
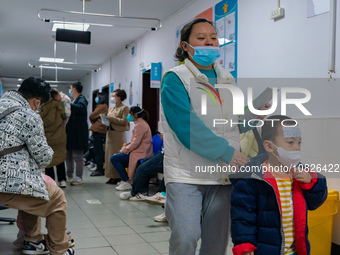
333,15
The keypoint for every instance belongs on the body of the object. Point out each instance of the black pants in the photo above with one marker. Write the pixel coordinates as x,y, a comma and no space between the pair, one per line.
98,150
61,173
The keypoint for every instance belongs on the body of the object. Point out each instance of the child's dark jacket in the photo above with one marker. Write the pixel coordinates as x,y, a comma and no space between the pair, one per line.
256,211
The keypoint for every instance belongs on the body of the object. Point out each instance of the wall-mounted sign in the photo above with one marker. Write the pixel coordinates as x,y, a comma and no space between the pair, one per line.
111,87
156,75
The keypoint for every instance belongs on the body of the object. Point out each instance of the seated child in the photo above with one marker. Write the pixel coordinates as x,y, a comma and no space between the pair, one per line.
272,195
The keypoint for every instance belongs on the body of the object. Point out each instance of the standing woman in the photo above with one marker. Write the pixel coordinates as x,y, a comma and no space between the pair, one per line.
99,132
117,115
198,201
53,116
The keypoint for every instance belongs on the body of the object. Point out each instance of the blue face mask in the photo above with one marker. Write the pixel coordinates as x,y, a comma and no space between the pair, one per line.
129,118
69,92
205,55
96,100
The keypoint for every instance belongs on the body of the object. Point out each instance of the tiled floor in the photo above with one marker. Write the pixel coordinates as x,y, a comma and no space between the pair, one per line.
113,227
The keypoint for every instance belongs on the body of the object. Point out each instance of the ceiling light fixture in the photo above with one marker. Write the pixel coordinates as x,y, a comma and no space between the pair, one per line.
53,60
70,26
99,19
65,66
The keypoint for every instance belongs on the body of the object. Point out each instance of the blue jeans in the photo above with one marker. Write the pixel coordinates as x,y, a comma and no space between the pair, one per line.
120,161
145,171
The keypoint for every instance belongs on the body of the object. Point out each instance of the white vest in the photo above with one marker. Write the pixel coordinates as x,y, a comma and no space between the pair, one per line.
182,165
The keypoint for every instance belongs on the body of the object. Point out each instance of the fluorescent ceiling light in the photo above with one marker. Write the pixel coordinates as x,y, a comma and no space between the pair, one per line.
71,26
55,67
18,85
54,60
19,79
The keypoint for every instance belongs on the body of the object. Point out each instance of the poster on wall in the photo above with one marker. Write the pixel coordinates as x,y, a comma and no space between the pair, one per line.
230,57
156,75
112,87
207,14
226,27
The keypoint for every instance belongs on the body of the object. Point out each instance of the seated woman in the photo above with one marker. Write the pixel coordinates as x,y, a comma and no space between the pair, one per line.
140,147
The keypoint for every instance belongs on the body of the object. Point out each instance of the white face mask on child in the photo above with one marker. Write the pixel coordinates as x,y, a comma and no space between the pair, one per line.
287,158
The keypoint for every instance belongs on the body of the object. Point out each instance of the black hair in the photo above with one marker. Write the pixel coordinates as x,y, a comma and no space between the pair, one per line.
102,98
35,88
270,128
180,54
54,92
78,86
120,93
140,112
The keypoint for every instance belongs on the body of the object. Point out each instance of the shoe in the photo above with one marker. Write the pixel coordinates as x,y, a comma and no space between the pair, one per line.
125,195
160,218
157,199
113,181
20,239
138,197
62,184
69,251
97,173
93,168
69,180
77,181
124,186
38,247
70,239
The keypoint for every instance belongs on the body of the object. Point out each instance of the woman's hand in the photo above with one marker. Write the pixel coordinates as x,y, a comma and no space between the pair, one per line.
238,160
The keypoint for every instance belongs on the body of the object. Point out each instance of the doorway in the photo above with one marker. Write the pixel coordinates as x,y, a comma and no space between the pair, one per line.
150,102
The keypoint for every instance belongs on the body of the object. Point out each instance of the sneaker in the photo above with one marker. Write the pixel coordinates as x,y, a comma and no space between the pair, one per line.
71,241
91,165
160,218
77,181
69,180
20,239
157,199
38,247
62,184
125,195
69,251
124,186
138,197
93,168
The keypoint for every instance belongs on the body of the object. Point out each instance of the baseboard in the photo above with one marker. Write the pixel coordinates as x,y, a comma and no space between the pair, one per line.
335,249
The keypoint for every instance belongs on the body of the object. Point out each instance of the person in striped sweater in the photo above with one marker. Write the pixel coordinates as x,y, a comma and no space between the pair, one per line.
273,193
